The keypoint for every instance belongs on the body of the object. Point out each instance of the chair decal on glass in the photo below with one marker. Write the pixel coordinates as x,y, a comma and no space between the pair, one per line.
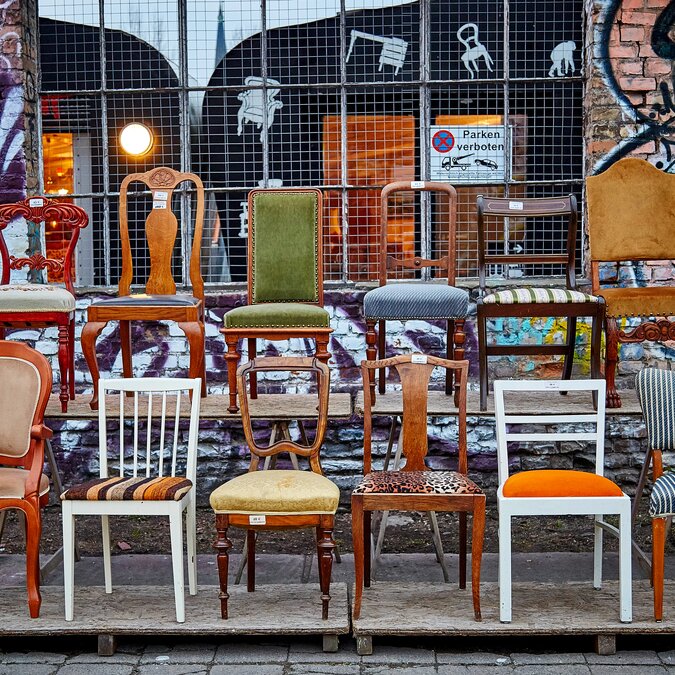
27,382
275,499
416,300
415,487
533,301
160,302
557,492
149,479
42,305
285,278
630,218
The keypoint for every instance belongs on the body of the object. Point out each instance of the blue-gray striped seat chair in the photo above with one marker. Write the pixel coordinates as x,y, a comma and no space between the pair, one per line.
656,393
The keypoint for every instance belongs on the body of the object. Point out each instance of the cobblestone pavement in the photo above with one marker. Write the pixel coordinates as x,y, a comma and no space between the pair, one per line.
306,658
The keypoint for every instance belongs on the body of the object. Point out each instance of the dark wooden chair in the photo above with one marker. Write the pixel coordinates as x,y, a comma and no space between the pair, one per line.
27,381
43,305
285,278
278,499
415,487
631,217
416,300
532,301
160,301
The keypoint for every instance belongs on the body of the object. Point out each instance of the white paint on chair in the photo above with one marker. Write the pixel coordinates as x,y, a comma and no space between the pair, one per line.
562,58
474,50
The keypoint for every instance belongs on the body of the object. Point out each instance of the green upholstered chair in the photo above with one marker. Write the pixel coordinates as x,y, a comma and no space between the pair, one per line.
285,278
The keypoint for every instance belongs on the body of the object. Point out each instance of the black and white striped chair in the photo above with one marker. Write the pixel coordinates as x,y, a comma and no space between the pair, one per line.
656,393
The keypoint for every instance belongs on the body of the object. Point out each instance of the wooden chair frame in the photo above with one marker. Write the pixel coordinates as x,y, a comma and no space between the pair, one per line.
38,210
161,231
415,371
321,336
33,461
530,207
323,523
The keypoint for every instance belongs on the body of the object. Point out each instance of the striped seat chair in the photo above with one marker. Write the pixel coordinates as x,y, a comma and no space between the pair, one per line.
656,393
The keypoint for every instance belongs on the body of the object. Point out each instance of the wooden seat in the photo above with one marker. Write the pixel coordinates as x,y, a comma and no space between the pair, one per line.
160,301
41,305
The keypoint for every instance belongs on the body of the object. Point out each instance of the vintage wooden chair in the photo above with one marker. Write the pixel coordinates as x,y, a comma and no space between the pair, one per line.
415,487
278,499
148,478
532,301
160,301
43,305
416,300
285,278
558,492
656,393
631,209
27,380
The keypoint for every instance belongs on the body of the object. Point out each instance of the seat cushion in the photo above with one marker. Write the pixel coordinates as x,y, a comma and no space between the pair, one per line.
141,300
35,298
417,482
120,488
416,301
13,483
662,499
277,492
559,483
647,301
277,315
517,296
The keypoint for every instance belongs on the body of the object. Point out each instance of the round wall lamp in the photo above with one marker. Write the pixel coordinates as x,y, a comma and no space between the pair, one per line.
136,139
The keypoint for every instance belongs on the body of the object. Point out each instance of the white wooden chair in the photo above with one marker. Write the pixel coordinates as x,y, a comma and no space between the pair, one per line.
550,492
148,479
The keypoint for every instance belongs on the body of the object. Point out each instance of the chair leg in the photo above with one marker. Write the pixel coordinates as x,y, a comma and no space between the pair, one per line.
658,554
371,352
250,561
367,522
91,330
477,536
504,567
71,358
611,358
191,533
253,377
68,558
458,340
125,345
194,332
357,542
382,353
597,553
326,546
462,548
176,527
597,322
625,578
203,374
232,360
481,321
571,344
449,354
322,353
63,366
33,533
223,546
107,564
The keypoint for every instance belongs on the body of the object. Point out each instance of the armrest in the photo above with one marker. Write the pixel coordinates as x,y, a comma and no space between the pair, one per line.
40,432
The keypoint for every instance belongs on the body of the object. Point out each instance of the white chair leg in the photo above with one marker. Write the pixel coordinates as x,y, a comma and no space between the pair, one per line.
68,558
176,527
625,572
107,564
191,526
504,568
597,554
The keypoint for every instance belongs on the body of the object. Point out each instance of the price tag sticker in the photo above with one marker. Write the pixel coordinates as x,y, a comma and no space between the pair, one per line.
160,194
36,202
158,205
417,185
257,520
516,206
418,358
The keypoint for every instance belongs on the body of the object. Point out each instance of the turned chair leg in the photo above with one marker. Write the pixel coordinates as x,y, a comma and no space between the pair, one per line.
325,548
91,330
481,321
223,546
357,543
658,555
232,360
253,377
64,366
459,338
371,352
477,535
611,358
71,358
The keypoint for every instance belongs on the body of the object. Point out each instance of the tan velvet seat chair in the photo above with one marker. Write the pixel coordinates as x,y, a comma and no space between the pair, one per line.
631,217
26,378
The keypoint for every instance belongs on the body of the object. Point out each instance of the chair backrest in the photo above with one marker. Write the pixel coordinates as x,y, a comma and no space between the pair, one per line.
39,210
631,211
656,393
285,364
149,426
447,262
414,371
521,424
26,378
285,247
505,209
161,229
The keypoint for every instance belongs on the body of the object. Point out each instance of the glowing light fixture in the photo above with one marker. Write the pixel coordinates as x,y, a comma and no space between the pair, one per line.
136,139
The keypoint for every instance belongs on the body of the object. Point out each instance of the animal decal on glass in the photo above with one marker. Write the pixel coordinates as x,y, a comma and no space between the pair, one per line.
562,58
474,50
254,102
393,49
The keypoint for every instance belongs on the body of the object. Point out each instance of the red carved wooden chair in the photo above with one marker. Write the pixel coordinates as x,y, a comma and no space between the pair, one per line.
27,382
43,305
160,302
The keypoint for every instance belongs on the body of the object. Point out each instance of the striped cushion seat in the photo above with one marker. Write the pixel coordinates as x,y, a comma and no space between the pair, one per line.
120,488
662,500
402,301
524,295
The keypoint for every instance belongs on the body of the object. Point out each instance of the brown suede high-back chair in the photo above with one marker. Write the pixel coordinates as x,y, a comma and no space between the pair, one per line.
631,217
160,301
